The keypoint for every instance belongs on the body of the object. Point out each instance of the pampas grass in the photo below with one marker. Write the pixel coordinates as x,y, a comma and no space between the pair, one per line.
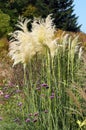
46,101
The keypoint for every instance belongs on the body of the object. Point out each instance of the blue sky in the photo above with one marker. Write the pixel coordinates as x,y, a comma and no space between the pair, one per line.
80,10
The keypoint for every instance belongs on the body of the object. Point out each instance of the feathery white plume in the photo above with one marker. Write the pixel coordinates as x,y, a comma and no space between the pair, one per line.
25,44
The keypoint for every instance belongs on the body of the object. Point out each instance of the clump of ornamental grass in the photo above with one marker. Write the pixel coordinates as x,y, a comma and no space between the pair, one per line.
78,95
25,44
45,99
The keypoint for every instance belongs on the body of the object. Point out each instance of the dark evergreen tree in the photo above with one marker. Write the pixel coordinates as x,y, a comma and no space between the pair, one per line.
62,11
65,17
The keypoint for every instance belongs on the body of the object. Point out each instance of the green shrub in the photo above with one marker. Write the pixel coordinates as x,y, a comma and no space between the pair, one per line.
4,24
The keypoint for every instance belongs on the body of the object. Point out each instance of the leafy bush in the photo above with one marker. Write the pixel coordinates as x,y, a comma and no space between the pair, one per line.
4,24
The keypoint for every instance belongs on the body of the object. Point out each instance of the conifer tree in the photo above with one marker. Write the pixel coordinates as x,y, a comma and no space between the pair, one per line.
62,11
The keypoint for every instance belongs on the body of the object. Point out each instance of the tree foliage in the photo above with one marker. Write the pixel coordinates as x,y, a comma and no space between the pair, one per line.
62,10
4,23
30,11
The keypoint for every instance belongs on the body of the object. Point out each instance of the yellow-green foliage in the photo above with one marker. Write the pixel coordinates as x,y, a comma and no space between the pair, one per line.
81,124
30,10
4,24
